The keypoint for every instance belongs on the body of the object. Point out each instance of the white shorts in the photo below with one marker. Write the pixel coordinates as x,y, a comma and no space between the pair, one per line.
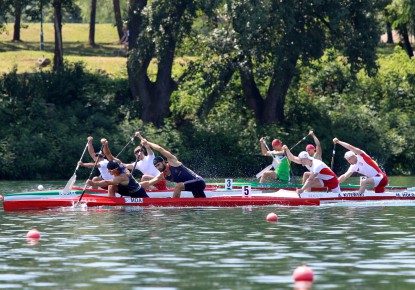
376,179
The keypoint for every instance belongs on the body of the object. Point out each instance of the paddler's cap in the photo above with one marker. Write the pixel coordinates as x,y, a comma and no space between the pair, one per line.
112,165
276,142
349,154
157,159
304,155
310,147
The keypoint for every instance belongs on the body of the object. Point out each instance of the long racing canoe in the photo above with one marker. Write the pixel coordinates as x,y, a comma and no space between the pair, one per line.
98,201
76,191
325,197
290,186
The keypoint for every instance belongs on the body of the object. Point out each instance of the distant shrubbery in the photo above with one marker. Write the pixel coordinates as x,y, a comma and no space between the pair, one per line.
46,118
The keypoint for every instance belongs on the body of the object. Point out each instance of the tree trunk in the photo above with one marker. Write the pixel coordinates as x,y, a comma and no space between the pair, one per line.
91,40
57,22
406,42
118,18
17,20
389,33
280,83
270,110
251,92
154,96
225,76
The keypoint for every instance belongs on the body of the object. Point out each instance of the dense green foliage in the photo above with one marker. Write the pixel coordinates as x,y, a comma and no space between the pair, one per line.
262,42
259,68
47,116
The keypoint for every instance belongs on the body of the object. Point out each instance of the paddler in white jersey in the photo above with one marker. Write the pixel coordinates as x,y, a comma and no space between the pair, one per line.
313,151
123,181
101,164
320,174
144,163
361,163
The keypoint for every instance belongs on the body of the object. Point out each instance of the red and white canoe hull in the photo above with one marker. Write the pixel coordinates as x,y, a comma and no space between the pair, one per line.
97,201
76,191
344,196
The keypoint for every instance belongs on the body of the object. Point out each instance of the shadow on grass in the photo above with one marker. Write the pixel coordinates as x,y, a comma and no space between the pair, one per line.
386,48
69,48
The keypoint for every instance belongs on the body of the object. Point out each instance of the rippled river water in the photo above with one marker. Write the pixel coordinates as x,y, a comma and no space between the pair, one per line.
359,246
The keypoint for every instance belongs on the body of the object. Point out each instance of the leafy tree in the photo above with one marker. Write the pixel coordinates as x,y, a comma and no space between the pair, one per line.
92,20
57,24
401,15
156,29
118,17
265,41
16,8
4,13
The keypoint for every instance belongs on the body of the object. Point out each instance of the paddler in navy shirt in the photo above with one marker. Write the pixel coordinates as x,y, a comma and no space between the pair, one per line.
173,170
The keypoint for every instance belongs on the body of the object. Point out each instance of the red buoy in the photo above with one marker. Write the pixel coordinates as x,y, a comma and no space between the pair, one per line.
33,234
303,273
272,217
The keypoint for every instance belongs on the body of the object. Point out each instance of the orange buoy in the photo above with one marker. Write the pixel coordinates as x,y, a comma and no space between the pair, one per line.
303,273
272,217
33,234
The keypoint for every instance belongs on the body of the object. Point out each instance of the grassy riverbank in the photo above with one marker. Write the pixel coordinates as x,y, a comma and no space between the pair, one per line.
108,55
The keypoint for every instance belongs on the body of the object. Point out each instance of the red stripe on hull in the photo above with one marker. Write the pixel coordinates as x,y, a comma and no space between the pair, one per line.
92,201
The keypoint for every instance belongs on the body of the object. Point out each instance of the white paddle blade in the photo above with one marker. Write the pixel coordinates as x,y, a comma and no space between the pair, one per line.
69,184
259,174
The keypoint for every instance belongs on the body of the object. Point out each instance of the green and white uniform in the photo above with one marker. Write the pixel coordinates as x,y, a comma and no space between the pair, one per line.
283,169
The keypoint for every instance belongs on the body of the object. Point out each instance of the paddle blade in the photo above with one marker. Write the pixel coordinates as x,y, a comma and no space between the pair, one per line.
259,174
69,184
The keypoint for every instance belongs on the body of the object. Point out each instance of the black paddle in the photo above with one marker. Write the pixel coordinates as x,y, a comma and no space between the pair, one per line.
131,140
90,175
136,161
298,142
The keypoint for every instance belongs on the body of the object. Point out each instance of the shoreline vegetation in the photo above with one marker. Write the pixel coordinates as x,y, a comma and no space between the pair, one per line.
375,113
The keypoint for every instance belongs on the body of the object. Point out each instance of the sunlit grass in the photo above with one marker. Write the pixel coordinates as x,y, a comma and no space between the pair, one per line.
108,55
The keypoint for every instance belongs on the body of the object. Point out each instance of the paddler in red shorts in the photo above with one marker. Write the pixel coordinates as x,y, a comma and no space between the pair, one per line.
320,174
361,163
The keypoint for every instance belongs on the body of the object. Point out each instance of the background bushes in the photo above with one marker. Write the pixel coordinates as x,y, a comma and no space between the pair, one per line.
46,118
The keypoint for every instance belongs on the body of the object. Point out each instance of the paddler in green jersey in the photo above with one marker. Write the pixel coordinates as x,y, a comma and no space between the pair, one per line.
280,162
313,151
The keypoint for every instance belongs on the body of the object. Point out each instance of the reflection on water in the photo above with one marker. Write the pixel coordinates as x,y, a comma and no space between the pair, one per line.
348,247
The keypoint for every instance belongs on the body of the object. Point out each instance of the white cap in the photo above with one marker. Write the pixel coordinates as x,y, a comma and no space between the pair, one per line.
304,154
349,154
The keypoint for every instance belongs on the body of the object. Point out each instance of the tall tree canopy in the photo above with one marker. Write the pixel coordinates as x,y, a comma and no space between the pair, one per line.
401,13
262,41
156,28
265,40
